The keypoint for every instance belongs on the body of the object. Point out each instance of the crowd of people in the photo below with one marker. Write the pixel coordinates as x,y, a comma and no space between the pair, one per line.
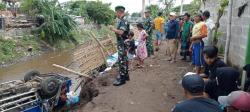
212,87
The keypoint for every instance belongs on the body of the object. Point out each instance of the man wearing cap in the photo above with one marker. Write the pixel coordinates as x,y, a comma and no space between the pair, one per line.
193,86
172,30
121,32
237,100
148,25
198,33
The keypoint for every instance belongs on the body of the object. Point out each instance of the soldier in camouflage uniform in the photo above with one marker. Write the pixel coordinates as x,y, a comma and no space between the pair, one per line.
121,32
148,24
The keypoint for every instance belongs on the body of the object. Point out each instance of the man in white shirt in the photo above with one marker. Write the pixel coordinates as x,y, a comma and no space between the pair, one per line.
210,26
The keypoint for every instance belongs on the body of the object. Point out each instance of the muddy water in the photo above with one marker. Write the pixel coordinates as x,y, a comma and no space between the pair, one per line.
42,63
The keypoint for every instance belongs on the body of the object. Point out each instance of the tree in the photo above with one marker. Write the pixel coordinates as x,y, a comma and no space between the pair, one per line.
77,8
168,5
2,6
186,8
223,5
191,8
100,13
135,14
31,7
154,10
195,6
57,24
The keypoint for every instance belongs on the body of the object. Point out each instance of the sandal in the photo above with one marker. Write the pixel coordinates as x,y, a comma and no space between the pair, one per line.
140,66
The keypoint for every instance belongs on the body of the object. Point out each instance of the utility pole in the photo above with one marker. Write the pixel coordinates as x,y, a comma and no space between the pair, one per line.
181,9
229,28
143,8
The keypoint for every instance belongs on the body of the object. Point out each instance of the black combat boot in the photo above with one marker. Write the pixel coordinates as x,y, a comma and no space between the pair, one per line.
120,81
127,77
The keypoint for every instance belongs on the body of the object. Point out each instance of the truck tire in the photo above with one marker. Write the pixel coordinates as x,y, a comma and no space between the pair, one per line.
49,87
30,75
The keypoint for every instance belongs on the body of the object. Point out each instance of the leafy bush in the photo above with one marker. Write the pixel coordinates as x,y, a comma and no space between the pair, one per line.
30,7
97,11
10,49
29,40
154,10
77,8
2,6
191,8
83,35
57,24
216,37
223,5
136,14
7,49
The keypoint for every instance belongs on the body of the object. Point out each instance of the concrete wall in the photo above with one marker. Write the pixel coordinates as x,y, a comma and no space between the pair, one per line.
240,26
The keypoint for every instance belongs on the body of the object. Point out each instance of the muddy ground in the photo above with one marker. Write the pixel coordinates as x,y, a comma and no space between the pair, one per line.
154,88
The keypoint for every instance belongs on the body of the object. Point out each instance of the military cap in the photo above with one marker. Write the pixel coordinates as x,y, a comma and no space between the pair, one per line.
147,11
120,8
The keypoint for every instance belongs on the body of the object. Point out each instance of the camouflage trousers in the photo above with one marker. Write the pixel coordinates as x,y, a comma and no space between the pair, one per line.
149,44
122,59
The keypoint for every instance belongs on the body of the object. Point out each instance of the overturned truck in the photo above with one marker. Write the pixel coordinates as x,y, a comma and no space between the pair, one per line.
47,92
36,93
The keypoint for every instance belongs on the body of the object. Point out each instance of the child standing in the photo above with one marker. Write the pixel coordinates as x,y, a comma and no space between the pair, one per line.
141,48
130,44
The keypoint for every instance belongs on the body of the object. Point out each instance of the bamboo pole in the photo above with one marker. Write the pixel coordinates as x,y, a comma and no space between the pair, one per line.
102,48
100,44
71,71
143,8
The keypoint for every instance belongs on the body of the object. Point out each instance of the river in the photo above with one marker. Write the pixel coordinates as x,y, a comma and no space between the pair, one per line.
42,63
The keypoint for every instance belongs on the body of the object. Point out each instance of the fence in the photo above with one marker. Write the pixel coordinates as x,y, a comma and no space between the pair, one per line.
93,53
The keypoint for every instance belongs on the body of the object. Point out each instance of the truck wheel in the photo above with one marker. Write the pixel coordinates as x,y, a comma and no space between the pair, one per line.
30,75
49,87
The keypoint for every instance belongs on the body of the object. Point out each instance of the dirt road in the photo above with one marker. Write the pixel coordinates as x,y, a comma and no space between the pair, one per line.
154,88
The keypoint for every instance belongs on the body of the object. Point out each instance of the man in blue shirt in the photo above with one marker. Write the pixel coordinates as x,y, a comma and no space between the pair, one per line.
196,102
172,29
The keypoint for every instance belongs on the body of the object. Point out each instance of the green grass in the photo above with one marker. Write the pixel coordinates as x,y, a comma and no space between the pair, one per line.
62,44
7,49
11,49
83,35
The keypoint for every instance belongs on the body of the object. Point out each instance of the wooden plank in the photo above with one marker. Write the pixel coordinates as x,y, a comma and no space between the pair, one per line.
70,70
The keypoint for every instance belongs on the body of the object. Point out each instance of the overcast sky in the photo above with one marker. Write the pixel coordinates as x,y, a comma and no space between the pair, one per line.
133,5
